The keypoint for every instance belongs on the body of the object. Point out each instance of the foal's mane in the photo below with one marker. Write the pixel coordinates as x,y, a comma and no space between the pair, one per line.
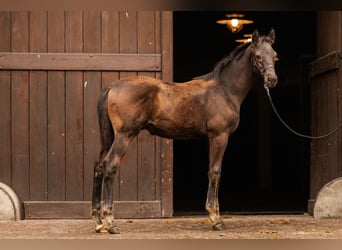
224,62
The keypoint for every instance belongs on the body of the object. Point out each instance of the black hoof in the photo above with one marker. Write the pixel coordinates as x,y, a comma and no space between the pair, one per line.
220,226
113,230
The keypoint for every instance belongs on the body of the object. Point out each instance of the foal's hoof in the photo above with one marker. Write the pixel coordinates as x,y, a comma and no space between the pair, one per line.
113,230
220,226
101,229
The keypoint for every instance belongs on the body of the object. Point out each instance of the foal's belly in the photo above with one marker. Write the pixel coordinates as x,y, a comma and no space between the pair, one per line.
172,130
174,134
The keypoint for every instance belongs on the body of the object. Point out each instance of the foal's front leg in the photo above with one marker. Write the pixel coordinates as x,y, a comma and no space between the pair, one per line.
217,146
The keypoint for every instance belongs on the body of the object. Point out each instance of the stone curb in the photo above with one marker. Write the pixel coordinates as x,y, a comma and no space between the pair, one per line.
329,200
10,206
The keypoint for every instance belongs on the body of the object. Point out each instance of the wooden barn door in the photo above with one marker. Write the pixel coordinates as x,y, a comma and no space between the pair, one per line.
326,99
53,65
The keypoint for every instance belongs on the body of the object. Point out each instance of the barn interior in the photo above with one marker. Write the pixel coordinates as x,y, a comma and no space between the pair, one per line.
266,168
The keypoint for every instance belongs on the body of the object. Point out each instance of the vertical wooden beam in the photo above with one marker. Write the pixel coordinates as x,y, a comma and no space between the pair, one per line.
74,109
109,41
166,146
38,110
56,110
157,158
5,102
20,109
92,89
326,110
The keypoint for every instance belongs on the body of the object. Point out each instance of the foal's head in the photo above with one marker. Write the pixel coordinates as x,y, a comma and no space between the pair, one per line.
264,56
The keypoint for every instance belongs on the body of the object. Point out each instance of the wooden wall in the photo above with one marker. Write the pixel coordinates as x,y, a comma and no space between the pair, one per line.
326,100
53,67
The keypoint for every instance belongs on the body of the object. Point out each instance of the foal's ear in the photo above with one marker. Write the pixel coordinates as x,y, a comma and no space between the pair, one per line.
255,37
271,36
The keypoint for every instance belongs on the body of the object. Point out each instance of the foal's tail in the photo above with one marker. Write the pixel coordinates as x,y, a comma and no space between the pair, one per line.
105,125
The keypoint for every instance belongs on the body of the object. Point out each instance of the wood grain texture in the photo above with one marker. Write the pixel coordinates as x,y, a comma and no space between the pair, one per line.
74,110
166,145
56,110
326,101
53,67
81,209
5,103
20,111
80,61
38,107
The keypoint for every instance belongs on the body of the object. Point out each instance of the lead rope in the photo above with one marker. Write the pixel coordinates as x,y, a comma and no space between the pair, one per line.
292,130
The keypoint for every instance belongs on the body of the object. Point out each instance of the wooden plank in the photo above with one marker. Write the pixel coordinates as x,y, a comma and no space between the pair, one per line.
5,100
92,31
167,45
157,158
80,61
74,110
20,134
137,209
56,111
329,32
110,41
91,89
146,142
166,146
128,170
324,152
38,111
81,209
57,210
326,102
325,64
19,107
339,108
146,167
110,44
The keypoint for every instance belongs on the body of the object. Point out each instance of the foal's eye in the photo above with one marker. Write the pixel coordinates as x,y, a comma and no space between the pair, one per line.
258,57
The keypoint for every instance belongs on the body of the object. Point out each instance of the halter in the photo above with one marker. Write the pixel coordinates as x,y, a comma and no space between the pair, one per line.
261,70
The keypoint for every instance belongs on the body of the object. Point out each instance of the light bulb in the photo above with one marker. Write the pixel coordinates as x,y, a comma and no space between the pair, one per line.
235,22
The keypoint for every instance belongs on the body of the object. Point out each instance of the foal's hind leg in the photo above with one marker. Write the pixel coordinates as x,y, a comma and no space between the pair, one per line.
217,147
97,192
111,164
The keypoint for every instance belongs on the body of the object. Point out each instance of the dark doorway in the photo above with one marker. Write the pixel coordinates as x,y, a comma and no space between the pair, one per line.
265,168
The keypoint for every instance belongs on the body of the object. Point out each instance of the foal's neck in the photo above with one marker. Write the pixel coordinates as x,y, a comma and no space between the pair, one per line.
237,78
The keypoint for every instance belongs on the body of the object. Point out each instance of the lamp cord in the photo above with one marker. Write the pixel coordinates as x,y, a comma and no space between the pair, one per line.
292,130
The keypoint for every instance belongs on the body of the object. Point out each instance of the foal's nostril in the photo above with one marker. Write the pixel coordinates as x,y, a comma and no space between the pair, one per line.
271,81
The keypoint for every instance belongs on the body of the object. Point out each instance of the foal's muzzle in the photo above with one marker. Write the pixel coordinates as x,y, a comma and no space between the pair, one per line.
270,78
